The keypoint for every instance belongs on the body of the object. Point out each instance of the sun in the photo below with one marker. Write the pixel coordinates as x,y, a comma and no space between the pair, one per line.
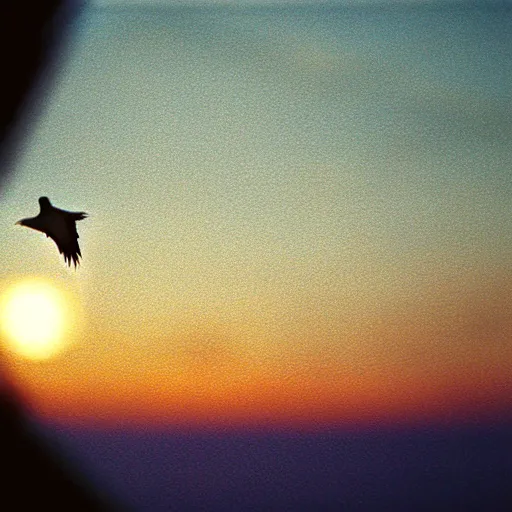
34,319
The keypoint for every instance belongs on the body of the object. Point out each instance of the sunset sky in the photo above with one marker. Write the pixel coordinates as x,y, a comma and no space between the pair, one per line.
301,219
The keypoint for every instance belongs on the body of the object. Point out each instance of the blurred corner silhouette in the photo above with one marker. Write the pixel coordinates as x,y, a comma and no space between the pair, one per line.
31,50
31,36
36,475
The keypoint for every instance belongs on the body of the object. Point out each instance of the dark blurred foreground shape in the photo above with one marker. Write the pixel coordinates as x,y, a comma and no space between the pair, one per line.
31,50
34,475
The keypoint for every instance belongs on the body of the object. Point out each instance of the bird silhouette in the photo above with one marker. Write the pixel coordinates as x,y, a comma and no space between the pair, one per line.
60,226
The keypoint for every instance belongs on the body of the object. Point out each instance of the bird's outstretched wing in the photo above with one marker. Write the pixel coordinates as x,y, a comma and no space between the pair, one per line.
65,235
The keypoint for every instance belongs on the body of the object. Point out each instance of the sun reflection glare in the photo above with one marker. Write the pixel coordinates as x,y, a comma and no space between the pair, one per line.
35,319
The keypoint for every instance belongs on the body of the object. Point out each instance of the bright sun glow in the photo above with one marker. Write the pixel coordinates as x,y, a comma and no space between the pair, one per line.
34,319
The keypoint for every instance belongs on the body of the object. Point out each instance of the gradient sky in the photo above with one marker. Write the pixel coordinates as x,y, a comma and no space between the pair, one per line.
296,217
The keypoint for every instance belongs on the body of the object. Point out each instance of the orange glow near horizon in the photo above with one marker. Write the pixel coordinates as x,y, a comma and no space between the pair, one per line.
209,389
409,364
262,403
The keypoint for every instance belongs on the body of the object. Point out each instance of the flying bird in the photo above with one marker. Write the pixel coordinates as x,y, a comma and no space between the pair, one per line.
60,226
